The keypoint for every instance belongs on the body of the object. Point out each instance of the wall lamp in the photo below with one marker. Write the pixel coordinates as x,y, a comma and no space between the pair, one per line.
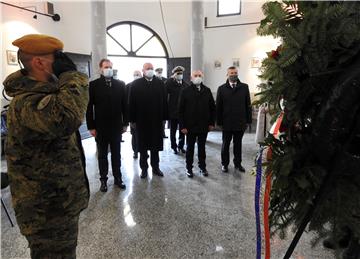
55,17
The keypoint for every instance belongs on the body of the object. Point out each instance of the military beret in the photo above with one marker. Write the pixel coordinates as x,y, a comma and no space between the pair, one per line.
38,44
159,70
178,69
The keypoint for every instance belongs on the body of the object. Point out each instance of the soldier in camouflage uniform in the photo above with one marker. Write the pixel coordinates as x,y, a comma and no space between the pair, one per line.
48,186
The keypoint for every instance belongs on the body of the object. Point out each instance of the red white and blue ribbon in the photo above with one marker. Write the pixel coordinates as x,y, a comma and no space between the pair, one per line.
275,131
257,204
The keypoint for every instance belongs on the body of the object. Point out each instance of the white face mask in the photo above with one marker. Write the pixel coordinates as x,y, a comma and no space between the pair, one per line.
108,72
137,77
197,80
149,73
179,77
159,75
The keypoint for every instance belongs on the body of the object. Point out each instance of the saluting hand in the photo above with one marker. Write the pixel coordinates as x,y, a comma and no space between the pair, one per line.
211,127
184,131
124,129
93,132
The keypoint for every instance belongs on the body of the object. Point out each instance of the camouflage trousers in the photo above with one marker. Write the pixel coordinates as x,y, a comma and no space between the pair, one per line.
57,241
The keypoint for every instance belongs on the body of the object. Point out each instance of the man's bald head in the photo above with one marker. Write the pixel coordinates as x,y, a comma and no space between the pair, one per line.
197,73
147,66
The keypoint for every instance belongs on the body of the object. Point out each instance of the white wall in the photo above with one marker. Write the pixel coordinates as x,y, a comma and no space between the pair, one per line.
73,27
238,42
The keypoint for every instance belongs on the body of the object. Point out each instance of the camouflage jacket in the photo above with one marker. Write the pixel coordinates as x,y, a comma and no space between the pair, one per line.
46,175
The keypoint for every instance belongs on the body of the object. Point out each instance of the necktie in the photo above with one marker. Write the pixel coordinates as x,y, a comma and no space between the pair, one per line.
108,82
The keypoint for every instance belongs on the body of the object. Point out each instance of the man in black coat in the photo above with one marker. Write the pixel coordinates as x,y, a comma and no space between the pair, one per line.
148,110
158,74
173,86
136,75
106,120
197,117
233,108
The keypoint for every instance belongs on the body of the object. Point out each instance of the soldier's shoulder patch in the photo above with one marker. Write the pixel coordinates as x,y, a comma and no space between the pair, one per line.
44,102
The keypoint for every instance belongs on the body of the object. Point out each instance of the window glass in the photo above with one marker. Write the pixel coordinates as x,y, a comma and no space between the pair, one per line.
122,34
113,47
139,36
152,48
228,7
133,39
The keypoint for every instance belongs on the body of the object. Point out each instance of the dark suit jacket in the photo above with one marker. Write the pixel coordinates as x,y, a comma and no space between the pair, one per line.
233,106
148,109
107,108
173,89
196,109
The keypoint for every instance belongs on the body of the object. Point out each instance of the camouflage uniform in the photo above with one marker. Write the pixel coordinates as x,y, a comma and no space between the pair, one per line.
47,181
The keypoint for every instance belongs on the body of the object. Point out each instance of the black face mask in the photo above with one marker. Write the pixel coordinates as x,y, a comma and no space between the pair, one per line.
233,78
62,63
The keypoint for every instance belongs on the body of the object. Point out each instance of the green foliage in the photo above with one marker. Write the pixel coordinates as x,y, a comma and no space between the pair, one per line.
319,40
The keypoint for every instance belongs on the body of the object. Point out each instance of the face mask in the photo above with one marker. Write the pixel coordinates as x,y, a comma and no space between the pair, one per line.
108,72
233,78
53,77
149,73
137,77
197,80
179,77
159,75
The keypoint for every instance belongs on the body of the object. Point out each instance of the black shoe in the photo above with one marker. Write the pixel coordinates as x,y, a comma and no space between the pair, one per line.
240,168
103,187
120,183
353,251
204,172
342,241
224,169
158,172
135,156
182,150
329,243
175,151
189,173
143,173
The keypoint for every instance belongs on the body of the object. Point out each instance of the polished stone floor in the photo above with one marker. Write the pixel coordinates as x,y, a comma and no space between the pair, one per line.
169,217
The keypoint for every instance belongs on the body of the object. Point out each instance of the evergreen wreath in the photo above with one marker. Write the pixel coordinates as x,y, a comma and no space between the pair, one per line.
315,164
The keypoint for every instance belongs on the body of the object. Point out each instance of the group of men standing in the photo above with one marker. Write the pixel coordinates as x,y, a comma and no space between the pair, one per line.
150,100
46,162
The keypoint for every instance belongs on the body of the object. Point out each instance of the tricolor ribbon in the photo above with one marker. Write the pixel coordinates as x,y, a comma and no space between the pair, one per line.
257,204
275,131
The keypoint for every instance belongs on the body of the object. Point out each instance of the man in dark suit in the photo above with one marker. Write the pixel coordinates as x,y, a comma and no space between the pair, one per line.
233,108
136,75
173,86
197,118
106,120
158,74
148,110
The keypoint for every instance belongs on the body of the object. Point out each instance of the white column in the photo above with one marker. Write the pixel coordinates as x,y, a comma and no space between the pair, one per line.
197,36
98,35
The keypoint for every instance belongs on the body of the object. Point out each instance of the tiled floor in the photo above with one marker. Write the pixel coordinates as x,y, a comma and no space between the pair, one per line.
169,217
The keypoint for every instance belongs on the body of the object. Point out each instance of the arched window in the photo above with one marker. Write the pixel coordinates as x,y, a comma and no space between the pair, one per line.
130,45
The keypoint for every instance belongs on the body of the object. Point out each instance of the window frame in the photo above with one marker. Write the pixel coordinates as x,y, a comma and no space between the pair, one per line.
132,53
229,14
